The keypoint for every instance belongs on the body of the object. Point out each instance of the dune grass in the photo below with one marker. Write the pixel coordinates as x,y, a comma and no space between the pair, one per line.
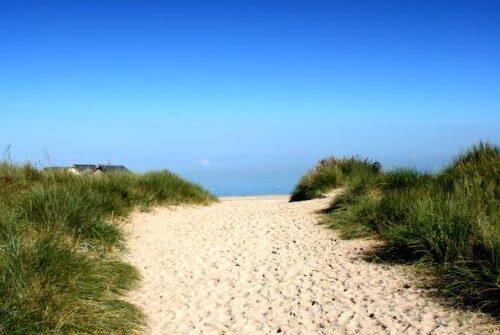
331,173
60,247
448,222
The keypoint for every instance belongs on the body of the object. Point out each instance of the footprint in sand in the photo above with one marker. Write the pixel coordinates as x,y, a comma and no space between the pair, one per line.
262,265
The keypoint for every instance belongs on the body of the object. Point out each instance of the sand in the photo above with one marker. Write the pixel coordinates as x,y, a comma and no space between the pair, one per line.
261,265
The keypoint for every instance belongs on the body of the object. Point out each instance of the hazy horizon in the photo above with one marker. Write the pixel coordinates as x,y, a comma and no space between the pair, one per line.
244,96
275,176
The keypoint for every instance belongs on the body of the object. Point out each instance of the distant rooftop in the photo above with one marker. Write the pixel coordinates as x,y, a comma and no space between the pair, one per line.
90,168
111,168
85,167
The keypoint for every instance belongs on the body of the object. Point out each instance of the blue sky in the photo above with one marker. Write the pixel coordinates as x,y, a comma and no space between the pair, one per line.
242,96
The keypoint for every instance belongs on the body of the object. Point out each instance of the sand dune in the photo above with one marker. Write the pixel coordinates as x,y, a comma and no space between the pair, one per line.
261,265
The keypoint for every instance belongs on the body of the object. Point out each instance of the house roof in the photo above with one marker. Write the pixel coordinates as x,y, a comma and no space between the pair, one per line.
114,168
84,167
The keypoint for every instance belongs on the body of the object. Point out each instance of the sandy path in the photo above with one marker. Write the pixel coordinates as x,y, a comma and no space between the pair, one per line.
261,265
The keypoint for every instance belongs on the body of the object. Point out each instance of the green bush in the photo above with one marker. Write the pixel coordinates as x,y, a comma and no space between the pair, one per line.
60,267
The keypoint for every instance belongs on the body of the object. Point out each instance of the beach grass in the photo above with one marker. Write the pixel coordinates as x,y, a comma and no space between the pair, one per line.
61,243
331,173
448,221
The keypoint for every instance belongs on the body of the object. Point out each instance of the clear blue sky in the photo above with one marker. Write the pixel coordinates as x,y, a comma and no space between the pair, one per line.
242,96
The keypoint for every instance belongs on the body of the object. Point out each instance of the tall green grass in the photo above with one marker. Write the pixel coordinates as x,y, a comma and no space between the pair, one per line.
448,221
60,247
331,173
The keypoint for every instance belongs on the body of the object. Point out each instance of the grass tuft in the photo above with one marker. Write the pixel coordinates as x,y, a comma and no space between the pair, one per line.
331,173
